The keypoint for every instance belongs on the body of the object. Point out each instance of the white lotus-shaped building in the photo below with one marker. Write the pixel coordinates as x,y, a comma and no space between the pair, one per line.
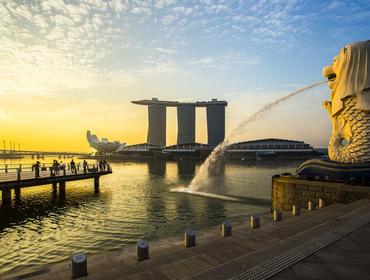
103,146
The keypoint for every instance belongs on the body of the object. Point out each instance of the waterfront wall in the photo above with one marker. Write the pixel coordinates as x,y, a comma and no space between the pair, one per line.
289,190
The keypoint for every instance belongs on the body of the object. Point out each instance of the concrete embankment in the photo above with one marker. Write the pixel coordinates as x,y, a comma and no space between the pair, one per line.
262,252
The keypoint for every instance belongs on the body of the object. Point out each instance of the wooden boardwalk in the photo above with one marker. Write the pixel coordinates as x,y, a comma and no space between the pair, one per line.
22,177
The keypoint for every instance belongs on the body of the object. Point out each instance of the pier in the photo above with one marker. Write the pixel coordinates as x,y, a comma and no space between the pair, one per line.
24,176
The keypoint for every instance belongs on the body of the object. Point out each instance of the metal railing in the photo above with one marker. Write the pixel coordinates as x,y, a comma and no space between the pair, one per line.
11,172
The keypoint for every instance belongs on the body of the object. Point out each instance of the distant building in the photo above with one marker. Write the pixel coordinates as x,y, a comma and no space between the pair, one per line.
103,146
270,148
271,145
185,120
188,150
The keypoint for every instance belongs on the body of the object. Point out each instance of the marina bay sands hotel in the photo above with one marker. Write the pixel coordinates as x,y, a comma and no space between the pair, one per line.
185,120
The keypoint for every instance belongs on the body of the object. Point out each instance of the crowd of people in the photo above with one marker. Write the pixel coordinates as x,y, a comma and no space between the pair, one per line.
56,167
103,165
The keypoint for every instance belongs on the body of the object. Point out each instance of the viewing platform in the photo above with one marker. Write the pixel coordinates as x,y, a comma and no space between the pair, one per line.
24,176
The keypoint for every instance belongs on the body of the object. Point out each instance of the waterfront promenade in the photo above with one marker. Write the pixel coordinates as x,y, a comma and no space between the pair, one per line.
297,247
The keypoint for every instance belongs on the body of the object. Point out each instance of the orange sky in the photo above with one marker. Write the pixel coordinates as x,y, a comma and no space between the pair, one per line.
60,123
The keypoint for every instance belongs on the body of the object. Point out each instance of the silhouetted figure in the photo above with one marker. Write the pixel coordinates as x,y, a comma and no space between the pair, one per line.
62,166
37,169
85,166
56,167
73,166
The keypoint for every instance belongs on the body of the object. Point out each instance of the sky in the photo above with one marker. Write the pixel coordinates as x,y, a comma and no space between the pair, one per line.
69,66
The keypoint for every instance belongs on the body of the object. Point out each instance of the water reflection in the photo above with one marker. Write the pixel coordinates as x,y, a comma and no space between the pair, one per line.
186,168
157,167
134,202
29,205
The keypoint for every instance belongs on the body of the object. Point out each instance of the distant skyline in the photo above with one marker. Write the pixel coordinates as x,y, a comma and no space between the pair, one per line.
69,66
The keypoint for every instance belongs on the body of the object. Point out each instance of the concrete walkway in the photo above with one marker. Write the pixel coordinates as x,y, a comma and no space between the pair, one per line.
348,258
246,251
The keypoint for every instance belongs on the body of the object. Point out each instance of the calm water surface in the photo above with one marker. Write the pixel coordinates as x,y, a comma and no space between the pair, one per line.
134,202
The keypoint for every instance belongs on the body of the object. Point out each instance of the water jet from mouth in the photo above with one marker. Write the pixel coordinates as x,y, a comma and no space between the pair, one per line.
214,160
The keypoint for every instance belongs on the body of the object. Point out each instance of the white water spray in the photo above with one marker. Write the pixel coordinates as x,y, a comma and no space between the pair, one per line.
212,163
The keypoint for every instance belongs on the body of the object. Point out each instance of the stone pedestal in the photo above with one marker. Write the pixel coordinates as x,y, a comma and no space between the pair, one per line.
79,265
189,238
226,229
277,215
142,250
255,221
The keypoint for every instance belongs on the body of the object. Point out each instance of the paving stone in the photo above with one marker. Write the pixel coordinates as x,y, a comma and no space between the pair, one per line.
348,271
311,270
218,258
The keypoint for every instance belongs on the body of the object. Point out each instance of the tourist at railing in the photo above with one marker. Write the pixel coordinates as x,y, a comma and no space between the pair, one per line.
73,167
36,166
55,167
85,166
62,166
105,165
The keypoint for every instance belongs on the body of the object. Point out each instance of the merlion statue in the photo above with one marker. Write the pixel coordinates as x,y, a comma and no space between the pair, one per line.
349,105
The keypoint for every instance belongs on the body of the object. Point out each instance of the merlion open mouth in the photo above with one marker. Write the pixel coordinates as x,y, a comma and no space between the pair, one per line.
331,77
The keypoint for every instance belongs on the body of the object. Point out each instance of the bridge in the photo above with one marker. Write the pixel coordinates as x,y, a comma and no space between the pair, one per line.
13,154
22,176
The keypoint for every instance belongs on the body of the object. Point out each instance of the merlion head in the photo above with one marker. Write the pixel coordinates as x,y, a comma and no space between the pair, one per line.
349,104
349,75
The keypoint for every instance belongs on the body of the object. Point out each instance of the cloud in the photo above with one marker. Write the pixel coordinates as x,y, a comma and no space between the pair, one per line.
62,46
51,45
225,60
168,19
140,10
164,3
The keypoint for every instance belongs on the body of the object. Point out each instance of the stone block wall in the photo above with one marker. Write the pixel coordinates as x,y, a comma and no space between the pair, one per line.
289,190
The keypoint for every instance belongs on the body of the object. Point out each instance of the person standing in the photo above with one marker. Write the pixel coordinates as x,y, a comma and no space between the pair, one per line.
85,166
73,166
37,169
